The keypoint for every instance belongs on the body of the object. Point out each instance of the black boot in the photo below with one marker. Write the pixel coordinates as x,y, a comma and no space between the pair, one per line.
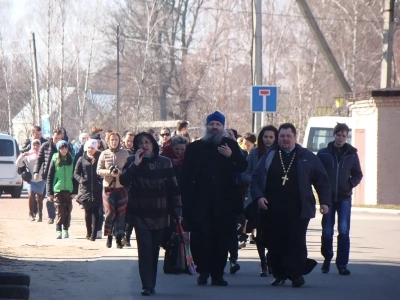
40,217
264,271
127,240
220,281
88,232
119,242
109,241
202,279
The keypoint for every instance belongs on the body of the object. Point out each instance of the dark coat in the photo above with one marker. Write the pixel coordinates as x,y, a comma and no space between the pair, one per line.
343,175
28,144
310,171
153,192
209,185
46,152
90,184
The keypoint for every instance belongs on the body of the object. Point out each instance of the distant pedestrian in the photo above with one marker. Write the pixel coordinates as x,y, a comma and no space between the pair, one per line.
36,186
115,198
62,187
342,164
42,165
90,187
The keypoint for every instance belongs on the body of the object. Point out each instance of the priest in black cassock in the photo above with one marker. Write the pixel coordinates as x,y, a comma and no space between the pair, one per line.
281,185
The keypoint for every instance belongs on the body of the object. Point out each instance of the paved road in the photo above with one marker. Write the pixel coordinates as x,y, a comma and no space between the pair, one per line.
80,269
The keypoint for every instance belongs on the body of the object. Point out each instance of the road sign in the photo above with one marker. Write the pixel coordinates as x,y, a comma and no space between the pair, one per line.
264,98
46,131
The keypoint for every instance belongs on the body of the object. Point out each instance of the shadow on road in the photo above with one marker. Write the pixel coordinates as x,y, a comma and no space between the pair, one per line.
117,278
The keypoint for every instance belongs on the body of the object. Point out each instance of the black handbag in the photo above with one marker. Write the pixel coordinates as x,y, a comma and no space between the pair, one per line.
25,173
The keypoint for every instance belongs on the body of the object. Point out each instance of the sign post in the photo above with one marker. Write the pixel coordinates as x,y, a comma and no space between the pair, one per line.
264,99
46,130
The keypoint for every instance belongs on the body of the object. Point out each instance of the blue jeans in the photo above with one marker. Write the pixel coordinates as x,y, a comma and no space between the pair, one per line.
343,209
101,218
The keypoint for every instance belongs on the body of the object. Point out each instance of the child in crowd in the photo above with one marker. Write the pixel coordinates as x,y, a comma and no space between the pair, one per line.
62,187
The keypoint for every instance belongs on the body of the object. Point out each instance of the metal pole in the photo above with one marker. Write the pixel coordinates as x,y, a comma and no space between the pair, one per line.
257,55
118,77
337,71
386,67
35,78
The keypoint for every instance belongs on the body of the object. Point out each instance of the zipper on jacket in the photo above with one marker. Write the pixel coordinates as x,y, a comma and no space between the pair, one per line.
91,172
65,177
337,173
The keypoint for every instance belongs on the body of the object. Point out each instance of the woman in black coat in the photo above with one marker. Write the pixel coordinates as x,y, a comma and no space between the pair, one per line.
90,187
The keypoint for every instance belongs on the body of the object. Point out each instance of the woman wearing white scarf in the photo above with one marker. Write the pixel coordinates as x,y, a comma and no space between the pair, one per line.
35,187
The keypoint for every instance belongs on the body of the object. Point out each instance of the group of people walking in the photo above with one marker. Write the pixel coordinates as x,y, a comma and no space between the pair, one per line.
146,183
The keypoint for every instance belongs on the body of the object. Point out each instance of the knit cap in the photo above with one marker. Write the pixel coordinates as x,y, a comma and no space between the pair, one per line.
91,143
216,116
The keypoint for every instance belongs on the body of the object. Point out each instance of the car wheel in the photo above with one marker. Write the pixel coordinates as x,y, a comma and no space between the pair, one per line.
14,292
9,278
16,192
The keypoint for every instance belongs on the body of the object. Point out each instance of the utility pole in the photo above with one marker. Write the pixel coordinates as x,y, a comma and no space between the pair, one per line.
257,57
35,80
118,75
386,67
324,47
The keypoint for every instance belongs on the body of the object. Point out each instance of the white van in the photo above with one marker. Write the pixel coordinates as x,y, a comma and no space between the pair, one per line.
319,131
10,180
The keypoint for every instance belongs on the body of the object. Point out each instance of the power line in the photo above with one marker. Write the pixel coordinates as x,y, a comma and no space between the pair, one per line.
291,15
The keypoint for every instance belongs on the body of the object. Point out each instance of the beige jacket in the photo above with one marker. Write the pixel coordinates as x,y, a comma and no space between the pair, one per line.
106,160
30,162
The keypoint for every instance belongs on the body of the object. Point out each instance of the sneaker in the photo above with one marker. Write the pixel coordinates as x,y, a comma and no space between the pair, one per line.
99,234
65,234
50,221
58,234
32,216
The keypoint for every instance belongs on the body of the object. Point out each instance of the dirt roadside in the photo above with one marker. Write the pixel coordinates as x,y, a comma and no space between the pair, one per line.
31,248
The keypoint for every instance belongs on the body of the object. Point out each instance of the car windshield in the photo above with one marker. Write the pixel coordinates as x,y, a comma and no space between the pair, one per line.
320,137
6,148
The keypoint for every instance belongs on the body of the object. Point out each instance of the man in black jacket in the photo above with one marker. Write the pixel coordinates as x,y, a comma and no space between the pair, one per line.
45,154
281,185
36,135
342,164
211,197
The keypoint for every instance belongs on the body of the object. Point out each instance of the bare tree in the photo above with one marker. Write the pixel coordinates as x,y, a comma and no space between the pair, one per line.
62,21
7,85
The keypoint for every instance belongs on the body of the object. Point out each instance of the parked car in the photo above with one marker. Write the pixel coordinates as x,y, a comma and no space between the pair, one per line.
10,181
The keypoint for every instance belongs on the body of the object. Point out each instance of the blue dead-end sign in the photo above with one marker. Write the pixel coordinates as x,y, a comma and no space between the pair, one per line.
264,98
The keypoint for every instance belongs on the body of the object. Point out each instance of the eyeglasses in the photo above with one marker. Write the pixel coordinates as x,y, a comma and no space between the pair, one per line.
165,134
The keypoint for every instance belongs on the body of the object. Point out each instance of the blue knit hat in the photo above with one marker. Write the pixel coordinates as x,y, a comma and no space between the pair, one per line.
216,116
60,143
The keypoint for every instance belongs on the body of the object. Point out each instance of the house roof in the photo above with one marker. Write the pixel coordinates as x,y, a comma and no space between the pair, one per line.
103,101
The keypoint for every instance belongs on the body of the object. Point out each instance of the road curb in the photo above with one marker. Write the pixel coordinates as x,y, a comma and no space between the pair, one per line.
374,210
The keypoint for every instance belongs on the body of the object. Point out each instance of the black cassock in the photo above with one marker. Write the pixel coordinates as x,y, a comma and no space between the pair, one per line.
284,230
